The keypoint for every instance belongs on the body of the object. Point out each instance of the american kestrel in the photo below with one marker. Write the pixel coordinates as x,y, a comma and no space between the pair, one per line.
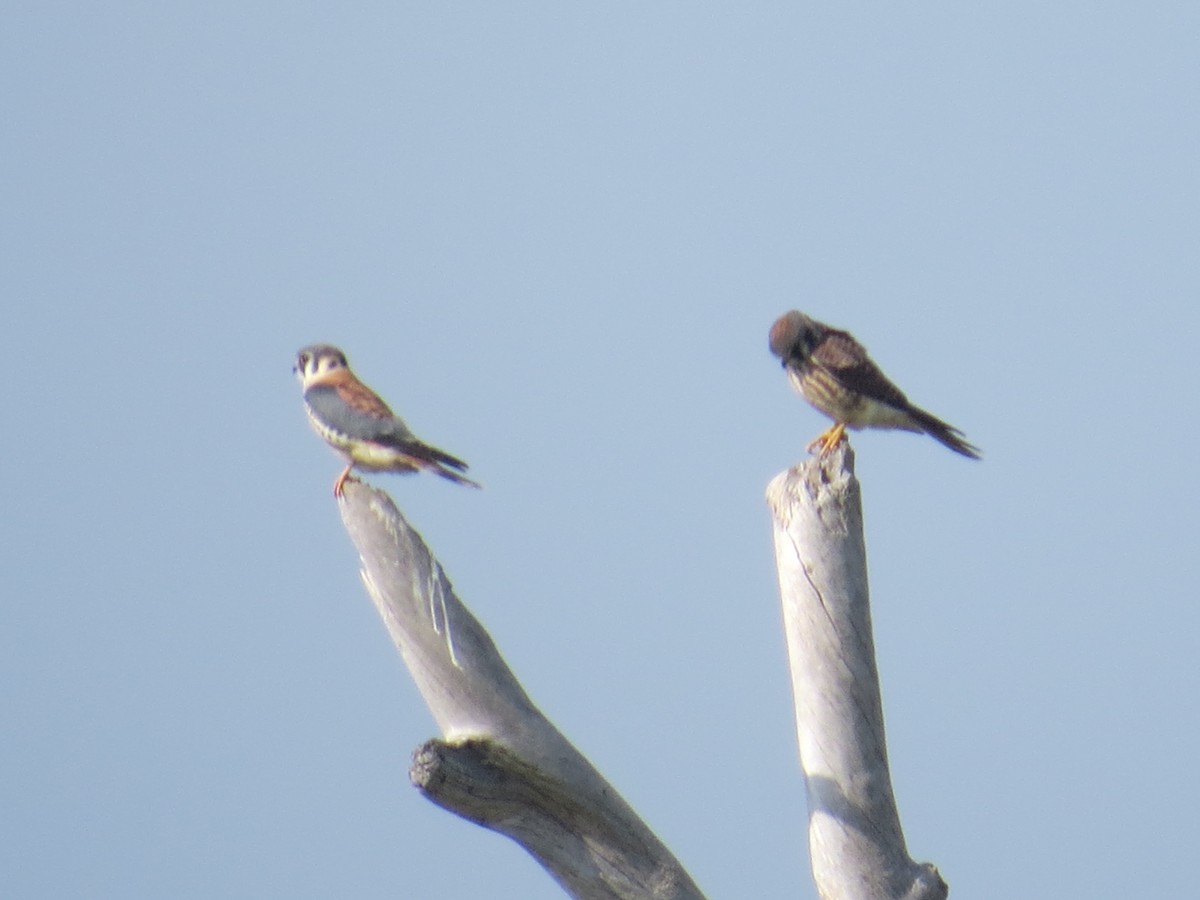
359,426
833,372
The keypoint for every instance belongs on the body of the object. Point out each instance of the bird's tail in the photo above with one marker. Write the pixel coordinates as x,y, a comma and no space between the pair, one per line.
450,475
944,433
442,463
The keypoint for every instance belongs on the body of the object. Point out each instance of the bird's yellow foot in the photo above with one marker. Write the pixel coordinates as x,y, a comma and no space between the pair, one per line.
339,486
828,439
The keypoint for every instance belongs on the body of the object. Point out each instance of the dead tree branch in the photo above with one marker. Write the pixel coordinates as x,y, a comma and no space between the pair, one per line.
500,763
855,841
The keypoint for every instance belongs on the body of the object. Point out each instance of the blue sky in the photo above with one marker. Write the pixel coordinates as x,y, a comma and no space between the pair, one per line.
554,239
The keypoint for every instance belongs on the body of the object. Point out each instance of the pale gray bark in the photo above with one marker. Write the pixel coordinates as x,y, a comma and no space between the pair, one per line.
501,764
856,844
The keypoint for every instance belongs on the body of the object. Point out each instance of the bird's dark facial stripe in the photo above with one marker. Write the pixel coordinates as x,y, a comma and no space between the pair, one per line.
807,341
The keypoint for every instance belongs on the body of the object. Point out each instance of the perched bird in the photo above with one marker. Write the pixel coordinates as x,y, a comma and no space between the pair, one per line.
360,426
833,372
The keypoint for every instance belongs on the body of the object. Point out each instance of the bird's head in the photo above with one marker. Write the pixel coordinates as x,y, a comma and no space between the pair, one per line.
315,362
794,336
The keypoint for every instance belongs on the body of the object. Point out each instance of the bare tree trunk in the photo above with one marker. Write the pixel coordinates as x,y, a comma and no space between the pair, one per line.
855,840
501,764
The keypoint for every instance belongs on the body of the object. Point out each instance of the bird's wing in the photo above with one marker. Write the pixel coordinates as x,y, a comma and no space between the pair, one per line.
350,408
846,359
358,396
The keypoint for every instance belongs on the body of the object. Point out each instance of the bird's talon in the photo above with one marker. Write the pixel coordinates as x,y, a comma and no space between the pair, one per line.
339,486
828,440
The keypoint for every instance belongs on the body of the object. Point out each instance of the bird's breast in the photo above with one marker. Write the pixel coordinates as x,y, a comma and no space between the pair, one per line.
825,392
332,436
